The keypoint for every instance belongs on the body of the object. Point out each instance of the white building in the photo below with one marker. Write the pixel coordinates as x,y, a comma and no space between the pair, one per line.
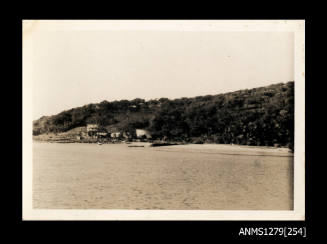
102,134
91,127
115,134
141,132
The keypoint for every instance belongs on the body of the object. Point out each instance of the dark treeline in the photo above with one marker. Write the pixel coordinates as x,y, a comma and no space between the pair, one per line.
259,116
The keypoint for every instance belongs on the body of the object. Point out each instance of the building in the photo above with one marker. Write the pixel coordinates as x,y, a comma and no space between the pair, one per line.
115,134
142,133
92,127
101,134
92,130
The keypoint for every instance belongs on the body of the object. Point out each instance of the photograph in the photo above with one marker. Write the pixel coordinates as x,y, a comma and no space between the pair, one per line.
163,119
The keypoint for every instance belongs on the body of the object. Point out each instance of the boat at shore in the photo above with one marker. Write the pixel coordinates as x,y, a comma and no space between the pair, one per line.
160,144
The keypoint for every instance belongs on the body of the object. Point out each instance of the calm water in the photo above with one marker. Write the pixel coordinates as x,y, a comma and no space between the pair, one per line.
89,176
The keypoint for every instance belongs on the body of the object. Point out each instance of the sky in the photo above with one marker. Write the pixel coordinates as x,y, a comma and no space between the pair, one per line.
75,68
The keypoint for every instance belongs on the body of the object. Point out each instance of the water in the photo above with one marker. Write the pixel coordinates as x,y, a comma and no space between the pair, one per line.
207,177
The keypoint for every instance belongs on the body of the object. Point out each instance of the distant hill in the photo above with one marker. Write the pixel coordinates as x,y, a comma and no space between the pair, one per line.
259,116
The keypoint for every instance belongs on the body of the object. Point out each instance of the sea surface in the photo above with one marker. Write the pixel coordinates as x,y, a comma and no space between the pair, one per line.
206,177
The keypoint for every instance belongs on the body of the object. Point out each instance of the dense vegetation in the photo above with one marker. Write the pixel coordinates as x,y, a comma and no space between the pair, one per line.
260,116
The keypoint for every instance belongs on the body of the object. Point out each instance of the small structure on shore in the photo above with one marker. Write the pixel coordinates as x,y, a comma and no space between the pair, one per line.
102,134
92,127
115,134
92,130
95,131
141,133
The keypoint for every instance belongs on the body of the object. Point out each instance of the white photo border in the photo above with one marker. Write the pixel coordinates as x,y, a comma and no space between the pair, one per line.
295,26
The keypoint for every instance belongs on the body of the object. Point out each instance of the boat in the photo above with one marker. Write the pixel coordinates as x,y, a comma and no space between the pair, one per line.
160,144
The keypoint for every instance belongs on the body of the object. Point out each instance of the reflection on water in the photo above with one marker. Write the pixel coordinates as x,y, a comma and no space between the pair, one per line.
89,176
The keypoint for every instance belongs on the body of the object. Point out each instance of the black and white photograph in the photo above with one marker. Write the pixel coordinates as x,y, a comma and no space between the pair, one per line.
163,120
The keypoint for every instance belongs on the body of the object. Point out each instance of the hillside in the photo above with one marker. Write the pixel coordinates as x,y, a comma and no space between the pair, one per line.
259,116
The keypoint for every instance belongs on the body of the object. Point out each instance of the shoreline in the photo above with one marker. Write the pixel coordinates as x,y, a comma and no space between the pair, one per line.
205,147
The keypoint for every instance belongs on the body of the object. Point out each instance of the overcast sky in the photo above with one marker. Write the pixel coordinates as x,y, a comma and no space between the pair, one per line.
74,68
